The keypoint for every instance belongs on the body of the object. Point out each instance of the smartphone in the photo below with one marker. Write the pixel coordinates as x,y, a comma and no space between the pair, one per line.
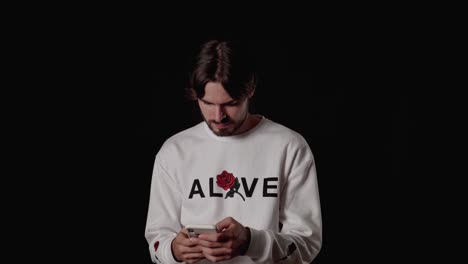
195,230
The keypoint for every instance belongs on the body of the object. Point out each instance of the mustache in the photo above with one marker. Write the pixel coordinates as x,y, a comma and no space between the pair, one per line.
225,120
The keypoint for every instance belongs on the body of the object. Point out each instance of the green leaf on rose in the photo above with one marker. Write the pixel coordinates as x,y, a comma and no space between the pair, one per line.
229,194
236,184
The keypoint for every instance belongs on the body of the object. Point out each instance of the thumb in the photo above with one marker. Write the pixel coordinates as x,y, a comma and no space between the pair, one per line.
226,223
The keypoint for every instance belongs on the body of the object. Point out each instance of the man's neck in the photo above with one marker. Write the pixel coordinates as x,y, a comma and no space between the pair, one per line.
249,122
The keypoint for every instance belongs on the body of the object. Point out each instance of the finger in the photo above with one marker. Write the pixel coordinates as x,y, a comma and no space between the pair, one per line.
217,258
231,233
181,235
216,252
209,244
184,232
217,237
193,256
194,260
188,242
225,223
196,249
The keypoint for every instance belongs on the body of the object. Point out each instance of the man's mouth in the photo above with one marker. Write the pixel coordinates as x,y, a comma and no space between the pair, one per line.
222,125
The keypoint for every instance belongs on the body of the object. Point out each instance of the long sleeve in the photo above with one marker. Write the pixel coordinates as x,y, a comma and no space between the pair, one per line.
163,220
300,238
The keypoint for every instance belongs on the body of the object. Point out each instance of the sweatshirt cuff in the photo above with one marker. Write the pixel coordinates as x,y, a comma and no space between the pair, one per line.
164,252
257,244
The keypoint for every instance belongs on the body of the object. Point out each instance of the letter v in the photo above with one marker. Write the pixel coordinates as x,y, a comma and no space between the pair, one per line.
249,192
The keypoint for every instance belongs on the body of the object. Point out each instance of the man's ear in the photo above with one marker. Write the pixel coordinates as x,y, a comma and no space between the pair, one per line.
252,92
253,84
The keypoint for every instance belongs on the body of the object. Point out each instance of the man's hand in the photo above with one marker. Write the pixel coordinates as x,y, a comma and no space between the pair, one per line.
232,241
186,250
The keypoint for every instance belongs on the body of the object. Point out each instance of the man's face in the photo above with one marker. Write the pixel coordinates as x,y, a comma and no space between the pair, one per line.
223,114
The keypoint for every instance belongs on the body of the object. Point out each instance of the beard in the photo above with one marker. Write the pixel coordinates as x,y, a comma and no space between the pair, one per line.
230,130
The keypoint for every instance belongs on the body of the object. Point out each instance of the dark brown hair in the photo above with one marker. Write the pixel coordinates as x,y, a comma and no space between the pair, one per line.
230,63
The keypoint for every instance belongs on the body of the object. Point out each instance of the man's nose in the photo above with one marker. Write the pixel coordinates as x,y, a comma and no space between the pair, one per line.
219,115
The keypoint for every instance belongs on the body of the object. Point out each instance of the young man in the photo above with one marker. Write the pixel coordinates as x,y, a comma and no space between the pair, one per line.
251,177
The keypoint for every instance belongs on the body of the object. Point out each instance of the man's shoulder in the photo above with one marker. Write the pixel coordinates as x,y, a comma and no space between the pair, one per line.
179,139
186,134
284,133
176,146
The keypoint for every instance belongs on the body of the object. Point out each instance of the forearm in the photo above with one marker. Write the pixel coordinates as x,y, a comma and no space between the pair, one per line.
163,220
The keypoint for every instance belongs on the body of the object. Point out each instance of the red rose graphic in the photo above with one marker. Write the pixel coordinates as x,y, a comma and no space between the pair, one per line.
156,245
225,180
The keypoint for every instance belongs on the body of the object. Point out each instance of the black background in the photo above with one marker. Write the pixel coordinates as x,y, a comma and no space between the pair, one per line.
114,94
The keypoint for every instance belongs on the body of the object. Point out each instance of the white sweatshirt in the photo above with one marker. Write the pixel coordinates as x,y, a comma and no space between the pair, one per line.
269,177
